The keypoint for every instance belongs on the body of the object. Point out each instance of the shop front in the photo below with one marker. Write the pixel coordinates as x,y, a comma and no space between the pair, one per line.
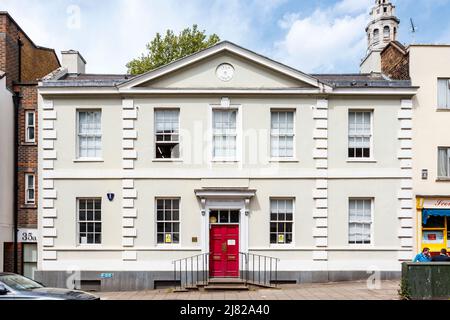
434,215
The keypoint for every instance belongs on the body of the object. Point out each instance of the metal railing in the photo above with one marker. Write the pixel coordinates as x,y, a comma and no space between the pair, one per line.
253,269
259,270
192,271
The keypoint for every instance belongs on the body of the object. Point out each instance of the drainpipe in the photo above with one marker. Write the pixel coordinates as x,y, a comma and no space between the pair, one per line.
16,100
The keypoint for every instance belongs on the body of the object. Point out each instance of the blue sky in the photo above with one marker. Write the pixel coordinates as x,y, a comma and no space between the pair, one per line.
312,35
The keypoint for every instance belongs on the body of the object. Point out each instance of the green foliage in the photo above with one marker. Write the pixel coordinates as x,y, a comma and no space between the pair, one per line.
171,47
404,292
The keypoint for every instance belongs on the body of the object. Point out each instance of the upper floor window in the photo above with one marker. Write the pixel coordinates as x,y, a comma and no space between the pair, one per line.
360,134
360,221
90,134
224,134
167,132
168,221
30,187
444,93
90,221
281,221
30,126
282,134
444,163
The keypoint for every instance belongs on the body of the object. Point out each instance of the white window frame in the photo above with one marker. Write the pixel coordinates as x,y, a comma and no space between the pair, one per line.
238,110
78,221
29,114
168,245
283,245
448,163
372,221
78,136
294,136
371,143
156,142
29,201
447,106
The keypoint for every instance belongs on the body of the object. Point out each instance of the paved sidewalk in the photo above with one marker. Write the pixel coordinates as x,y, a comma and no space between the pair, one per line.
329,291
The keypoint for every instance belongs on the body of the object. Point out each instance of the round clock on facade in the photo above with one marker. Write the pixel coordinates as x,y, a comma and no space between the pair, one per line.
225,72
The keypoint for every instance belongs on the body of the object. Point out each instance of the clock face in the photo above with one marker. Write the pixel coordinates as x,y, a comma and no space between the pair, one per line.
225,72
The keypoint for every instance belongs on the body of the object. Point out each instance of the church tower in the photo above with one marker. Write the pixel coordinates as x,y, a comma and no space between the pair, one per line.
382,29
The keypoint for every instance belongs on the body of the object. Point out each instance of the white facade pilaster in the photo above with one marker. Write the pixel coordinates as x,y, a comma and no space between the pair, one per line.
49,193
129,193
405,194
320,193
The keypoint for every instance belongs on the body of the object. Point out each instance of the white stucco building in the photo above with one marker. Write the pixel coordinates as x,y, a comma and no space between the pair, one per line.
224,152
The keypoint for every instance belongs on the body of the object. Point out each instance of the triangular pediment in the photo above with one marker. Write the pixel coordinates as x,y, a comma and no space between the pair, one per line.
203,70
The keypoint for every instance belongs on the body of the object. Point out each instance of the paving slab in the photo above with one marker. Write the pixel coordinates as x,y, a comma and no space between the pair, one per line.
388,290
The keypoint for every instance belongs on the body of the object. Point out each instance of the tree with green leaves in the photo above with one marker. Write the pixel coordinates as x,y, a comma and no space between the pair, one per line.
171,47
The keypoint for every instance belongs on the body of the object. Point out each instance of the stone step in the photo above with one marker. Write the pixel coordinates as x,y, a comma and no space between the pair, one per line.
226,287
226,281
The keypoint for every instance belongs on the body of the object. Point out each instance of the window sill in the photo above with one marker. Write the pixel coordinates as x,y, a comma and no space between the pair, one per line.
176,246
84,160
361,161
446,179
29,206
282,246
29,144
167,160
89,246
442,109
225,161
285,160
361,246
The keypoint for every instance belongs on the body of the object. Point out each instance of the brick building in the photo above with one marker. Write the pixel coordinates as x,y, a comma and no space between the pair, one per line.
23,63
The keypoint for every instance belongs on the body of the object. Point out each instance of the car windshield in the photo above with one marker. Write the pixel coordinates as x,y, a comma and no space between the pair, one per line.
19,283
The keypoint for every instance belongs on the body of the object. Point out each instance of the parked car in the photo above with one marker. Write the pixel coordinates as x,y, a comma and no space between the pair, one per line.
16,287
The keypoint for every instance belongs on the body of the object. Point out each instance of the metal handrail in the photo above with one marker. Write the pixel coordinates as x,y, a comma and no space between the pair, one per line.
260,270
187,271
253,268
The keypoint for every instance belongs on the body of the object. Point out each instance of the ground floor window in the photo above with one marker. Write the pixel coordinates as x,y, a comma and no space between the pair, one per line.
281,221
30,259
90,221
360,221
168,221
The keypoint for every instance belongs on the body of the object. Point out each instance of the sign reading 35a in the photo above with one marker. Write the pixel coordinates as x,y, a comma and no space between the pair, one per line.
27,235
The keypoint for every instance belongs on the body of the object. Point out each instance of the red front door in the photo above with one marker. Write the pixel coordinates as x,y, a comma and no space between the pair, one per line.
224,246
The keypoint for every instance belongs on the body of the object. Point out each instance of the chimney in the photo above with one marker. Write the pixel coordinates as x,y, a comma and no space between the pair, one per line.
73,61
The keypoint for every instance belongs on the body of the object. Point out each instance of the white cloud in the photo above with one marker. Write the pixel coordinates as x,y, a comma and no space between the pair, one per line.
115,31
329,40
353,6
